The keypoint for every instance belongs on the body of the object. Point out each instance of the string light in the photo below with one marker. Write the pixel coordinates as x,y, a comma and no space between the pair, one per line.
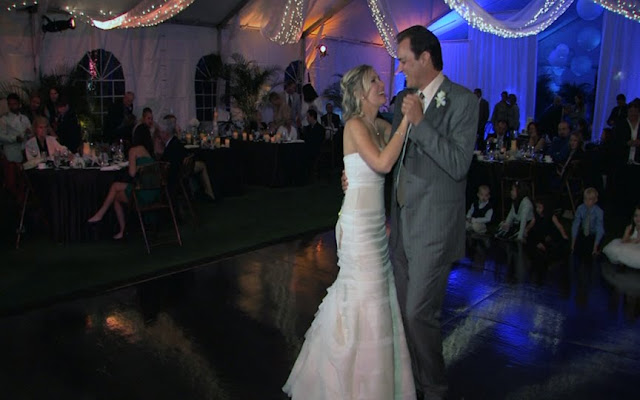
481,20
17,5
627,9
291,24
387,33
146,13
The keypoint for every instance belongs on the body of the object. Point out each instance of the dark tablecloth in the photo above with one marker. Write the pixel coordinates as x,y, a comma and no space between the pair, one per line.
70,197
273,164
225,170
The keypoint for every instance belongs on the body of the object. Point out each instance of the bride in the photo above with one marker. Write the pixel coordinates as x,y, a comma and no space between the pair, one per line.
355,347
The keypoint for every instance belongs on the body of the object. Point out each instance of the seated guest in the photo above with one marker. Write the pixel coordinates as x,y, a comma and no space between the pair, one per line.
50,106
501,137
281,111
173,151
41,142
535,139
147,119
120,119
176,156
120,192
35,107
520,215
68,129
545,233
481,211
288,131
619,112
587,229
559,149
576,153
14,128
626,251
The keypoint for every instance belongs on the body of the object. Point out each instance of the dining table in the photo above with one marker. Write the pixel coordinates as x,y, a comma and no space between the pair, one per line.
70,196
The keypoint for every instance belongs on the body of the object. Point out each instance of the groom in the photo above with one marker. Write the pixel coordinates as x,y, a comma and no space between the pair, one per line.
428,200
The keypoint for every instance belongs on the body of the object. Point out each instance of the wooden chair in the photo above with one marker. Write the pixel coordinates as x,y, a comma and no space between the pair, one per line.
151,193
186,172
24,197
515,171
573,183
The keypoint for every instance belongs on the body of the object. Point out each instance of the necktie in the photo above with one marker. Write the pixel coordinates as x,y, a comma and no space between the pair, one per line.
400,193
587,223
289,100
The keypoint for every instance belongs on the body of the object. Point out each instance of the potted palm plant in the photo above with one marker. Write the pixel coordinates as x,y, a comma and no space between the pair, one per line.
248,82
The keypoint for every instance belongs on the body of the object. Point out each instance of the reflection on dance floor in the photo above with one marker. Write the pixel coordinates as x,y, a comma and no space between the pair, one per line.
516,325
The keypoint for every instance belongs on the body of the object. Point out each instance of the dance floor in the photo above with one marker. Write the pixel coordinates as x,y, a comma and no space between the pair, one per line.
515,327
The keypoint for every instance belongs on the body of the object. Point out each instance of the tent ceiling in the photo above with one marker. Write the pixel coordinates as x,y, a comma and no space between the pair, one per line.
346,19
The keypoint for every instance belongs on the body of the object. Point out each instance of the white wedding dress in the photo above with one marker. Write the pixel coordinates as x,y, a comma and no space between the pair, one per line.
355,347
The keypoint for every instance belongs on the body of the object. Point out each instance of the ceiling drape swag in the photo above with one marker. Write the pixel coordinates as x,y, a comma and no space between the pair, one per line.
627,8
532,19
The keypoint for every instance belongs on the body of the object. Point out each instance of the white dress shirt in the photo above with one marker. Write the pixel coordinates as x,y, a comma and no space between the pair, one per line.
430,91
13,126
288,134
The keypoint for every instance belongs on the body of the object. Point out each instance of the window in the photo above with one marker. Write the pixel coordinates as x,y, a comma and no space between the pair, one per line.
207,71
104,79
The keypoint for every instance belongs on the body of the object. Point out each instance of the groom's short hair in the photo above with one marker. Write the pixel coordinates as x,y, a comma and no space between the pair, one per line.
422,39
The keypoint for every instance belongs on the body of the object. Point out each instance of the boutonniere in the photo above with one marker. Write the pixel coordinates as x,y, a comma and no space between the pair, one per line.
441,99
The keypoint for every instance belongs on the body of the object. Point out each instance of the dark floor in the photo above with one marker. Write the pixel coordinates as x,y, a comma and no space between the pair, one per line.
515,327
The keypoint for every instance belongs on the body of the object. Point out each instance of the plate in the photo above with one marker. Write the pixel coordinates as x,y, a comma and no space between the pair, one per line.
191,146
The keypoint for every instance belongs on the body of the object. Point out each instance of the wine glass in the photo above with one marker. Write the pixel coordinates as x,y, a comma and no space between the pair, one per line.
34,152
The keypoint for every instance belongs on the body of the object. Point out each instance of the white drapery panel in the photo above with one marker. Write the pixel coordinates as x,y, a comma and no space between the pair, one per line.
535,17
619,70
455,59
158,63
497,64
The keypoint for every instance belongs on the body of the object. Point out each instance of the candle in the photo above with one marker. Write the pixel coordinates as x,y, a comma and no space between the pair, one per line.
513,145
227,142
217,142
251,137
273,139
188,138
235,134
244,135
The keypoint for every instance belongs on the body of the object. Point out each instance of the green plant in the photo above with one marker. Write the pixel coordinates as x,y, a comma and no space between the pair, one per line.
247,84
333,93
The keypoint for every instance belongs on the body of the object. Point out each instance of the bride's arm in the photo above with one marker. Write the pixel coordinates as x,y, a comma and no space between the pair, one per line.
379,160
385,128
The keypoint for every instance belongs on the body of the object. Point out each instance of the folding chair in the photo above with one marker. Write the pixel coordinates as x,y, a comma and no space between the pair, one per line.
151,193
186,172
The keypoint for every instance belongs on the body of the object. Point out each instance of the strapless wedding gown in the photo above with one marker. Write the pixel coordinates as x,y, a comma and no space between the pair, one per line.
356,347
624,253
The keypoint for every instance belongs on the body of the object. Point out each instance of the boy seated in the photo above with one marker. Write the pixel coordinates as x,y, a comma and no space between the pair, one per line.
480,212
588,225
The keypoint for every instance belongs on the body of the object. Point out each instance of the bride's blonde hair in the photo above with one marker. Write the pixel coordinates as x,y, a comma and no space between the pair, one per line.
354,85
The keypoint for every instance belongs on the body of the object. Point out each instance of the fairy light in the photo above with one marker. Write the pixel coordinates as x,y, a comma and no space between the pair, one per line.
291,23
539,21
17,5
146,13
627,9
387,33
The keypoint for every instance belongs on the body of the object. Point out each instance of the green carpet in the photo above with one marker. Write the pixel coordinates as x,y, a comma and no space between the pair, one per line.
42,271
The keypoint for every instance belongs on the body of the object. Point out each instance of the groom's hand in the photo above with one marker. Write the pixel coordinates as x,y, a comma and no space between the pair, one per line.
412,108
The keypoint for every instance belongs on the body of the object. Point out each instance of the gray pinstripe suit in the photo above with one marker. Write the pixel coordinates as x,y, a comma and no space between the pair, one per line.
428,231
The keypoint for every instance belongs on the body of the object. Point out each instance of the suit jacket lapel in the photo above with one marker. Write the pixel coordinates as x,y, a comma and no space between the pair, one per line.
434,113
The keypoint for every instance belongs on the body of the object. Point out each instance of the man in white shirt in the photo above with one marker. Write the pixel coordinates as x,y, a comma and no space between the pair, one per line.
14,129
292,99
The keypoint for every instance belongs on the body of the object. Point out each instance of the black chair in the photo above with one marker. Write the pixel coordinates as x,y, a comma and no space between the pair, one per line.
151,194
186,172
